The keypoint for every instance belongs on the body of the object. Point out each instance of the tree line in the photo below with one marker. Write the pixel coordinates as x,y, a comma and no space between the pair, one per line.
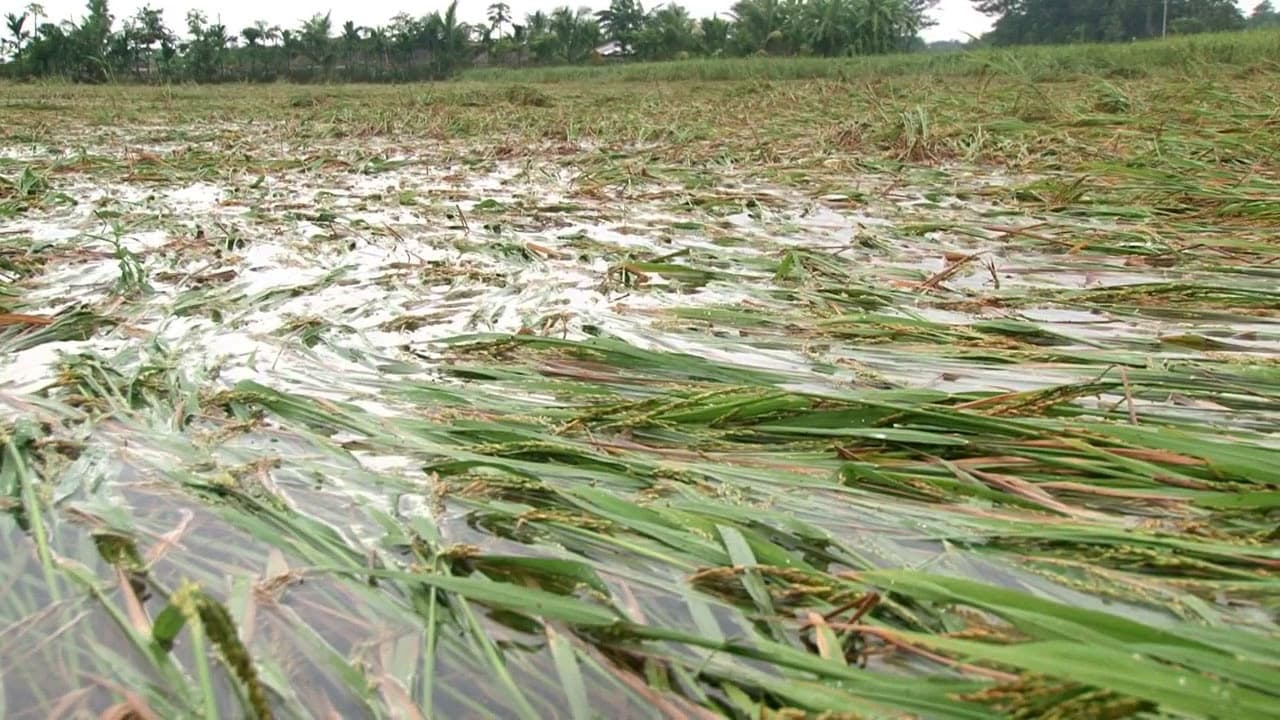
1062,21
143,47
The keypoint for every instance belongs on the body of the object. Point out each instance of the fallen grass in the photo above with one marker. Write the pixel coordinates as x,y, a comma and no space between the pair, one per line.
882,394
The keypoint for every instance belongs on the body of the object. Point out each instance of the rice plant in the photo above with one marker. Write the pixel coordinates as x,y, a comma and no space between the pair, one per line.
878,392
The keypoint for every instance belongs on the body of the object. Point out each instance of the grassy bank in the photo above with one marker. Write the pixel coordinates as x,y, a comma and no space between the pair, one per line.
1252,51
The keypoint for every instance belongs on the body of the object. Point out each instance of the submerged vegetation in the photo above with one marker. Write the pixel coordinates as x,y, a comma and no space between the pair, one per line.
857,396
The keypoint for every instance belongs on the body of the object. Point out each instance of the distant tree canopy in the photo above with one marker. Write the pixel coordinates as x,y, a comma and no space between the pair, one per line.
1064,21
143,48
1264,15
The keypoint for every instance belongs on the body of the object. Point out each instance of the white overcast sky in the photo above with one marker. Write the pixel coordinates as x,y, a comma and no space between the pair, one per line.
956,18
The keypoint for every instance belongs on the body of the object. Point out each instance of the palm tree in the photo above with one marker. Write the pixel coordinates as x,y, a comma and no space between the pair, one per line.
668,32
537,22
350,41
15,24
123,50
206,51
289,46
94,34
622,22
36,11
499,15
575,33
829,25
676,25
484,38
252,36
920,9
221,41
378,42
883,24
315,41
152,27
451,40
759,24
403,36
270,35
715,32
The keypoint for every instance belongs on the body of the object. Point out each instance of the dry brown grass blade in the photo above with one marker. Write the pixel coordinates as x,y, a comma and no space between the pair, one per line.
63,707
985,401
822,639
132,707
1008,231
1084,489
398,699
894,640
1163,457
631,604
132,605
950,270
999,460
1030,491
543,251
171,539
128,710
7,319
1128,397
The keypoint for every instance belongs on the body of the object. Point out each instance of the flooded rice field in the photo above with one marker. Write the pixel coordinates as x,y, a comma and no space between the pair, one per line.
311,424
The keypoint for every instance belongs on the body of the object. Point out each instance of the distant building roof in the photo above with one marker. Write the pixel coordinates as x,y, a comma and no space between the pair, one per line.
611,49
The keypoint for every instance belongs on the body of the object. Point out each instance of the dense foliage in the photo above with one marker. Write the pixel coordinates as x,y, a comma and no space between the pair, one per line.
143,47
1264,15
1054,21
